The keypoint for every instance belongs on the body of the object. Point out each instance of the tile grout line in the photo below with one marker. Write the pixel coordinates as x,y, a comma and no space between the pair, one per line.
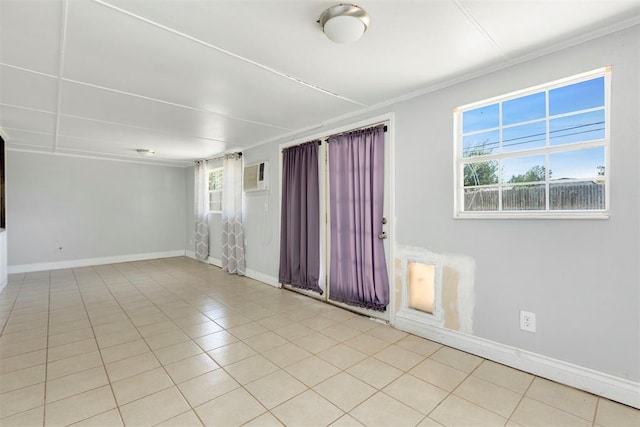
191,408
104,366
46,360
102,292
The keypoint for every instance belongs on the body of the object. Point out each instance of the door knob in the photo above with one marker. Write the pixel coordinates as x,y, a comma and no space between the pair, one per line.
382,235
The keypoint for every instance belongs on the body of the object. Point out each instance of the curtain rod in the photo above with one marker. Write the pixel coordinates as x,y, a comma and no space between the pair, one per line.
353,130
341,133
239,154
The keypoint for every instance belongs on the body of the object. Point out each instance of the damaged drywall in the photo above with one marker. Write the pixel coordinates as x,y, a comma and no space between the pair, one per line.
454,288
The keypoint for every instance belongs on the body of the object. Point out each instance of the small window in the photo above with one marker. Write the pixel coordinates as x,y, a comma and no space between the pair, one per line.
215,190
540,152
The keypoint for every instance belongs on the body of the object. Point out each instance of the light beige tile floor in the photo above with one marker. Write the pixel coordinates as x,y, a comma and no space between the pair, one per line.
175,342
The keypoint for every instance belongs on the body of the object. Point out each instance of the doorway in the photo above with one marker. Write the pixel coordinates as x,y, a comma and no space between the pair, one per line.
377,235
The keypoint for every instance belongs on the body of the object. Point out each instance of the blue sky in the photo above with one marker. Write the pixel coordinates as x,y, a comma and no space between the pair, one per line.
568,129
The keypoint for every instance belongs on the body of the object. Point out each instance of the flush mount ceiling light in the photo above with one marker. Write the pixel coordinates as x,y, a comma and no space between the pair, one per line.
344,23
145,152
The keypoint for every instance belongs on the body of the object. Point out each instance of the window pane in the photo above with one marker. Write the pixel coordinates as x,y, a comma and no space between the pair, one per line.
481,199
481,173
523,169
215,180
577,128
480,144
588,195
578,96
523,198
481,118
524,137
215,200
577,164
212,181
523,109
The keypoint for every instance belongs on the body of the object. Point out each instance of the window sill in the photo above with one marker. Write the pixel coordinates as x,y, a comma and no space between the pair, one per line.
532,215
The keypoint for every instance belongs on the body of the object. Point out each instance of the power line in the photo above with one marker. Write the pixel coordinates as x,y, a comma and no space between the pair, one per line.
497,143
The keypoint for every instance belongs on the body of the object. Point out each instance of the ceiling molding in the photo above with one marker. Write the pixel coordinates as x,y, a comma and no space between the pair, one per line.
461,79
130,104
488,70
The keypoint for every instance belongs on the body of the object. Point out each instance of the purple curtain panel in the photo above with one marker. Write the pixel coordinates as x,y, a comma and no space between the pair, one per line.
358,268
300,220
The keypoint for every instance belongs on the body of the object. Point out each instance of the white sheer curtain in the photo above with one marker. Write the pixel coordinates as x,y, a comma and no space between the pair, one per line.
232,233
200,195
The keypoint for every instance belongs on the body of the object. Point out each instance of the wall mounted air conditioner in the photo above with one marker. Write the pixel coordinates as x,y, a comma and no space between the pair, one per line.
256,177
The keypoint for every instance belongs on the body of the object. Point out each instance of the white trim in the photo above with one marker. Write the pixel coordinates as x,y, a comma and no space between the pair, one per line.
460,162
214,261
564,81
595,214
262,277
615,388
87,262
464,78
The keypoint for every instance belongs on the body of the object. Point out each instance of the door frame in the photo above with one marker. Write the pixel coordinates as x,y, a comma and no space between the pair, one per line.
389,120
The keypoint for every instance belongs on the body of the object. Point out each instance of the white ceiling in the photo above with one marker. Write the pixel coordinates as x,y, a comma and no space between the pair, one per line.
191,79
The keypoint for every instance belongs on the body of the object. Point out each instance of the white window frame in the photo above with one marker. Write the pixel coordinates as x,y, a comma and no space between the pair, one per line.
210,192
460,161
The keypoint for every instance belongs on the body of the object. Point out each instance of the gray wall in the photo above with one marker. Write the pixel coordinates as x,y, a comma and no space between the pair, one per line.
580,277
262,209
92,208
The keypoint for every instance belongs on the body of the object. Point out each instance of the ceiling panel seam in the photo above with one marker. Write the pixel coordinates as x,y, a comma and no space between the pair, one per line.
173,104
490,69
154,130
63,37
105,156
128,159
37,132
231,54
479,27
36,110
27,70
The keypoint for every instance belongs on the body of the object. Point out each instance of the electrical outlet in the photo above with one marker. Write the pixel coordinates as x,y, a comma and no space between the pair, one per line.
527,321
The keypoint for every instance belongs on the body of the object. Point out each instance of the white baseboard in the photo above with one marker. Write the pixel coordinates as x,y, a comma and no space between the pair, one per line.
261,277
215,261
609,386
87,262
